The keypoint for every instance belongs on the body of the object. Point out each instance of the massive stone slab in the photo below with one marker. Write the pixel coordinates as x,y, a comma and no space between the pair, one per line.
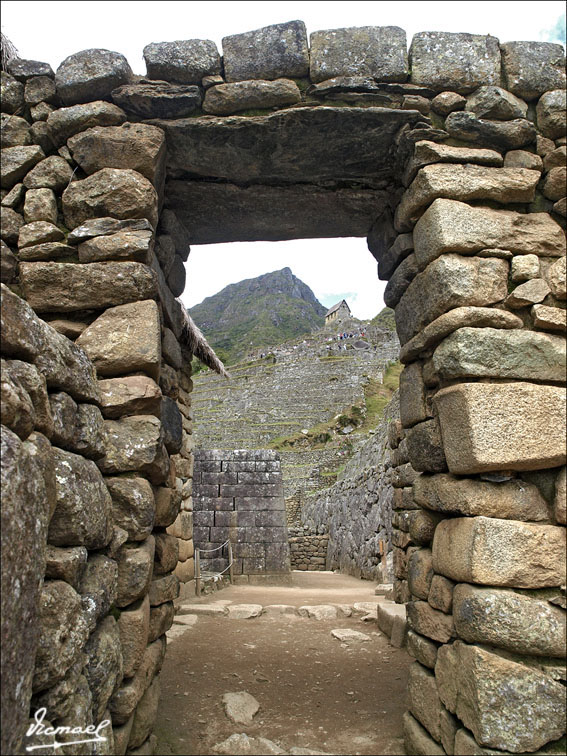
497,353
63,632
510,620
83,514
417,739
64,287
135,246
137,146
65,122
26,507
125,339
424,701
453,61
226,99
504,426
52,173
14,131
426,153
157,99
532,68
294,145
130,395
449,281
12,94
267,53
17,161
98,587
184,61
135,565
464,183
514,499
376,51
116,192
104,668
127,697
91,75
133,506
145,717
270,213
135,443
495,697
451,226
551,115
501,135
492,551
425,620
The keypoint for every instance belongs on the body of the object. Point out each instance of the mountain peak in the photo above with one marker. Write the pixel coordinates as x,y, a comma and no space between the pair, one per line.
258,312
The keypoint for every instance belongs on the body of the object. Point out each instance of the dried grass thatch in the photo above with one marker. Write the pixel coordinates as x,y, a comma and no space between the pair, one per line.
7,52
194,340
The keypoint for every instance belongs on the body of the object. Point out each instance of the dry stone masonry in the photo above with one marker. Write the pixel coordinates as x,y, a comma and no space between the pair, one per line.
238,497
450,158
354,514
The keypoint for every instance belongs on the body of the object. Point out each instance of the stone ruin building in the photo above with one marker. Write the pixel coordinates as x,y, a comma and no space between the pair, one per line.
337,312
451,161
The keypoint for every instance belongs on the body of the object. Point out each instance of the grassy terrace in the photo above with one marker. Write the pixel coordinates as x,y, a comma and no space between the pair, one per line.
376,397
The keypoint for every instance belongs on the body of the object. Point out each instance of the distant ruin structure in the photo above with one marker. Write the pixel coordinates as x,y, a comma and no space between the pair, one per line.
450,160
337,312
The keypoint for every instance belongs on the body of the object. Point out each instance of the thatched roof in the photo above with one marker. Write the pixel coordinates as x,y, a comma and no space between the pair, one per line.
7,52
194,340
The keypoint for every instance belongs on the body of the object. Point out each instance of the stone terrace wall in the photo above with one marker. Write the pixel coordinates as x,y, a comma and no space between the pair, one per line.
238,496
308,552
474,255
356,512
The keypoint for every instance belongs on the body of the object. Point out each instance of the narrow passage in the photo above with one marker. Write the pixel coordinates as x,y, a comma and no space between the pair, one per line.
315,692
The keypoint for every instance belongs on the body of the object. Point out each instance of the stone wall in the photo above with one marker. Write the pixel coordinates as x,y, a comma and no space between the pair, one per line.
477,279
238,497
308,551
458,180
96,413
356,512
309,383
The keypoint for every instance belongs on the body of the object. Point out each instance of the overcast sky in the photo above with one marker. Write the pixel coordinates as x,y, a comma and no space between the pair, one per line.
333,268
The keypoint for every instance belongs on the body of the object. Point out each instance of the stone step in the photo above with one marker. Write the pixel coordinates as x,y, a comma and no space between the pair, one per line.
392,622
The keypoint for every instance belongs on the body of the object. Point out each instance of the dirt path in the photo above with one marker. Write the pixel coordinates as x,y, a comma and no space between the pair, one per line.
314,692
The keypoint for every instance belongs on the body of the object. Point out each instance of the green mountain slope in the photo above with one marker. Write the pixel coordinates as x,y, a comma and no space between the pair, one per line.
258,312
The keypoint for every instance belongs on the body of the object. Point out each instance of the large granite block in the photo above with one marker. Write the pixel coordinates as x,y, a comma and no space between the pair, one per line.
452,226
376,51
502,426
495,697
450,281
64,287
269,53
184,61
498,353
453,61
532,68
490,551
125,339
